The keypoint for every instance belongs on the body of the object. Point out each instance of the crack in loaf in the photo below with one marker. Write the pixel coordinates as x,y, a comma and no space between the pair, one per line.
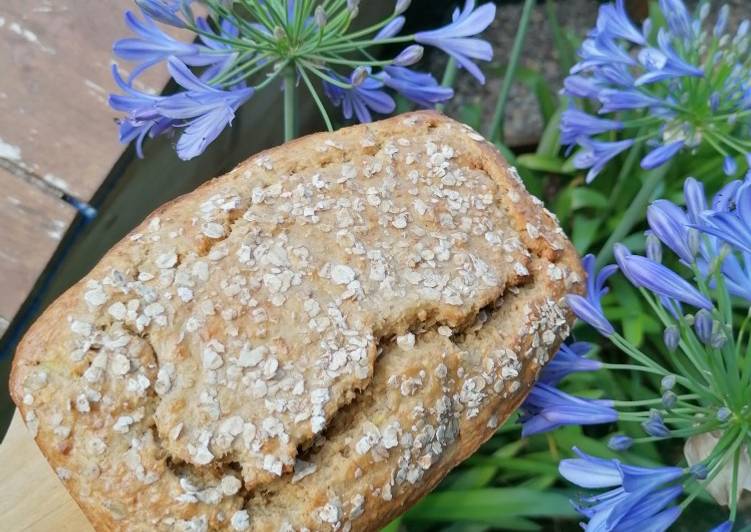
308,343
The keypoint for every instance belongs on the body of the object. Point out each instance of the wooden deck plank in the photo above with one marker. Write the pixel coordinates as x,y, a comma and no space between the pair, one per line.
32,499
55,61
33,223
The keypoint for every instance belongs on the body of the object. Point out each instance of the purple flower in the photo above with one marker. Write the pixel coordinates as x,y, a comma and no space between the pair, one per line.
678,18
734,227
547,408
664,63
599,51
636,500
132,102
703,324
596,154
620,442
729,166
671,337
569,359
644,273
390,29
153,45
360,99
613,100
576,123
670,224
589,308
165,11
613,20
581,87
661,155
409,56
696,200
726,526
655,426
457,39
202,110
419,87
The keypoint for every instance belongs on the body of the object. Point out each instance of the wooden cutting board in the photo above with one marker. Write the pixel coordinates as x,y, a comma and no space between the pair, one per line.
32,498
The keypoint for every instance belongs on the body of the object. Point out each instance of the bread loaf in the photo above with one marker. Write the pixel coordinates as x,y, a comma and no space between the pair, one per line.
310,342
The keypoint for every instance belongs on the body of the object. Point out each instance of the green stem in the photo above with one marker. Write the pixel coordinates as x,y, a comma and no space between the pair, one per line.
449,76
290,104
317,99
495,128
634,214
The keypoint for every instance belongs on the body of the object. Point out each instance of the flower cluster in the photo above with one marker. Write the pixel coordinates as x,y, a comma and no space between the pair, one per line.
701,381
242,46
671,88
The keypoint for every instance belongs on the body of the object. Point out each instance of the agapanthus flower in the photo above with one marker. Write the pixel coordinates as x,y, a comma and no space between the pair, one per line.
360,98
588,308
201,111
701,387
569,359
242,47
420,87
547,408
638,78
663,281
638,498
457,39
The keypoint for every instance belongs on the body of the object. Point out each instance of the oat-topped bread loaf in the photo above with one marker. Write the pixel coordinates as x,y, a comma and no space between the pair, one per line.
310,342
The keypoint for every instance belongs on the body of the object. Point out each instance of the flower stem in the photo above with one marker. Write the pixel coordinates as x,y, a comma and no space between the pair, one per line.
495,127
290,104
449,76
634,214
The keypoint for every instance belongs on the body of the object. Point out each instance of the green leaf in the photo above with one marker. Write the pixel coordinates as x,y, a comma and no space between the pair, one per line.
474,477
522,465
549,145
583,196
393,526
583,233
531,180
542,163
471,114
491,505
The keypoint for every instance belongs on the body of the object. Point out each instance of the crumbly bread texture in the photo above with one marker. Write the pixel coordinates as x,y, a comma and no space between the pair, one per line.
310,342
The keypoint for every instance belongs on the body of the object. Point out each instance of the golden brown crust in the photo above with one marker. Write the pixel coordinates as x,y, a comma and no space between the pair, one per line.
309,342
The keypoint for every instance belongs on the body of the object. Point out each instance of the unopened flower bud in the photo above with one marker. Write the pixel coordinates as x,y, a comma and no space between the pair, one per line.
359,76
718,339
729,166
671,337
409,56
619,442
669,399
654,247
655,426
703,324
704,11
667,383
279,33
723,414
353,6
699,471
401,6
722,21
714,101
320,16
